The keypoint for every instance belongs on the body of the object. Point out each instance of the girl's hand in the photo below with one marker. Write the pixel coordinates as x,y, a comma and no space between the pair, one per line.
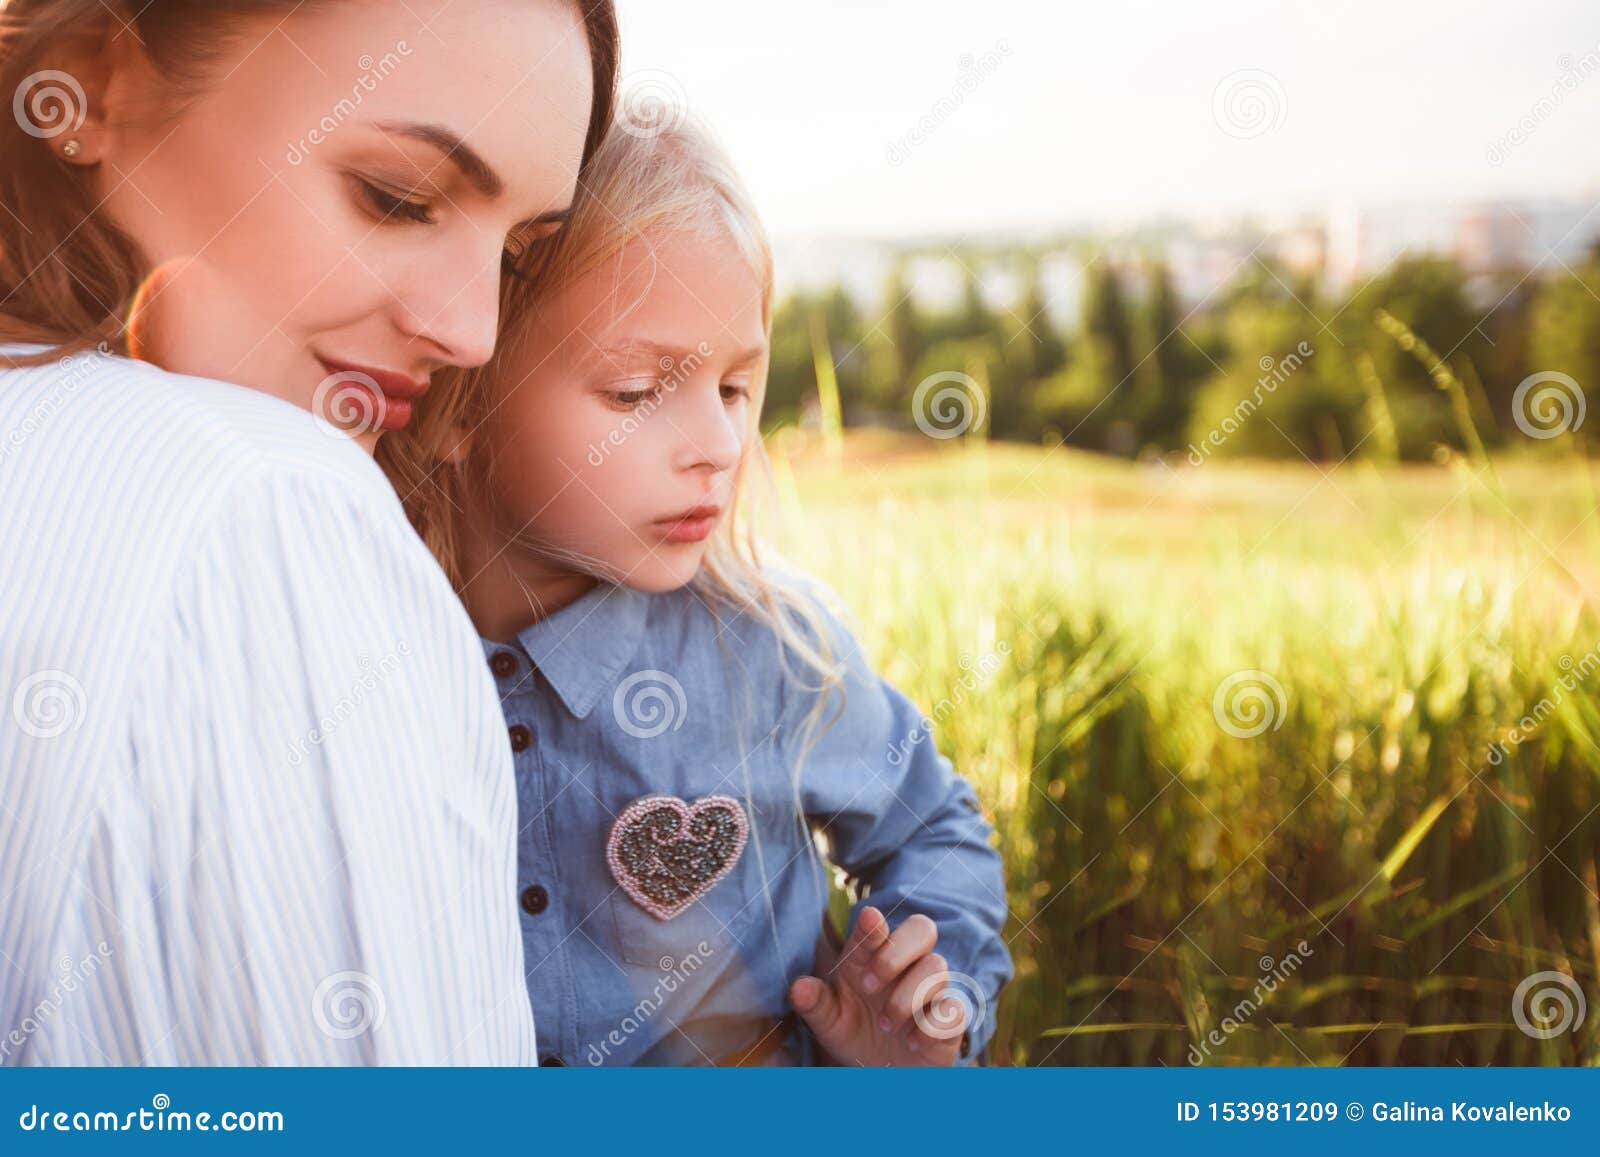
884,1002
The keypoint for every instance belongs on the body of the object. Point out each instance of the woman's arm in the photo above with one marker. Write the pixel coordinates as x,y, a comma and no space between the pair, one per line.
328,788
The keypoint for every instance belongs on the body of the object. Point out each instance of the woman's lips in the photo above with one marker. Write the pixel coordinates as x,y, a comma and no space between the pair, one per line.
360,399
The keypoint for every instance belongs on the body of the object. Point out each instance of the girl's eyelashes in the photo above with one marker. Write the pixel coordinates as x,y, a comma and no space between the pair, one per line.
628,399
387,205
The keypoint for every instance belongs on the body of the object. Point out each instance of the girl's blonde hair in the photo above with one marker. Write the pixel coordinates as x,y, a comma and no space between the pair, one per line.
669,179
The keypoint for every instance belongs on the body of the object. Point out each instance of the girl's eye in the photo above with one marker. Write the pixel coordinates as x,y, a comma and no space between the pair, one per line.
732,392
628,399
386,204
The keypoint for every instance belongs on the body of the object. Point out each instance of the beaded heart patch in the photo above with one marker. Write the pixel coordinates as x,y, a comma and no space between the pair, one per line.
666,854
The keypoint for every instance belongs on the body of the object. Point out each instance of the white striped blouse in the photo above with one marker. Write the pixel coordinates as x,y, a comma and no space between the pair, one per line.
256,796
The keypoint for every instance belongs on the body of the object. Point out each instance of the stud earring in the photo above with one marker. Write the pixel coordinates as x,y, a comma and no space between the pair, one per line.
71,148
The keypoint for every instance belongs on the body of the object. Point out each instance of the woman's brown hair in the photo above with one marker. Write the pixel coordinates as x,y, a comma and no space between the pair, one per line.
68,275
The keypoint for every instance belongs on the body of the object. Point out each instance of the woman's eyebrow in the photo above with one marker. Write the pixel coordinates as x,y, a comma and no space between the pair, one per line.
465,158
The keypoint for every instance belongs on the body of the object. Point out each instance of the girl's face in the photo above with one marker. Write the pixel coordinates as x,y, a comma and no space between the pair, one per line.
333,210
620,421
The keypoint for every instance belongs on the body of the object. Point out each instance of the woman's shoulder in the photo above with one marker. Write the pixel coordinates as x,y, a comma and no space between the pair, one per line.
96,407
117,476
192,418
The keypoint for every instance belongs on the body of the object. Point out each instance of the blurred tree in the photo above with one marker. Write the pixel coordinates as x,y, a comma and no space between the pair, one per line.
1091,401
1564,326
896,341
1169,365
791,374
1031,351
1427,294
1276,396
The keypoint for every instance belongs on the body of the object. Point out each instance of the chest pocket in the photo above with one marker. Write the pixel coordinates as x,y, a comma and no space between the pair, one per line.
686,879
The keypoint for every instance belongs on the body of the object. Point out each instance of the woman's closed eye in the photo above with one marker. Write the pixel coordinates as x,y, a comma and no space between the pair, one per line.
387,205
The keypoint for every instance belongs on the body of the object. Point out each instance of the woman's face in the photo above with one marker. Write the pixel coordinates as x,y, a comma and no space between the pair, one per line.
620,422
331,213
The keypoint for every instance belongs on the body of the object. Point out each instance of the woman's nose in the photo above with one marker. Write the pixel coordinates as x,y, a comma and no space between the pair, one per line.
458,313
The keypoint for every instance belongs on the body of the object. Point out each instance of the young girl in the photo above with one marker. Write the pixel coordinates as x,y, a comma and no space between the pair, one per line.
687,720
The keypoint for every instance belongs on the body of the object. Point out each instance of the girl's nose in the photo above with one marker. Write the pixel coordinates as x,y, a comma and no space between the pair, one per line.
715,437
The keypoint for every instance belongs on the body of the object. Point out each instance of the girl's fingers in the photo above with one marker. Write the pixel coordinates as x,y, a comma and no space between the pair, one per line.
866,938
911,941
937,1049
819,1007
918,987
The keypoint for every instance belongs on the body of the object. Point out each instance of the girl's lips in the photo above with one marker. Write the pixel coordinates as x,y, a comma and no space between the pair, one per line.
688,529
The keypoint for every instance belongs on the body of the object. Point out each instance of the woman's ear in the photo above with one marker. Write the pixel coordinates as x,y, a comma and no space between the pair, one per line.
89,82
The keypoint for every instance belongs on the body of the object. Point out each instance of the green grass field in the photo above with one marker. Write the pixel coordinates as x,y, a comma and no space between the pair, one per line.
1232,716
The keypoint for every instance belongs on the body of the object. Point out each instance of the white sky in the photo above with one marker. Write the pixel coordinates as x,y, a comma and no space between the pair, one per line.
1104,112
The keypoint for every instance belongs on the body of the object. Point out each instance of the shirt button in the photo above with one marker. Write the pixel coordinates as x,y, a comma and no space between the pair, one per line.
535,899
552,1062
503,664
521,737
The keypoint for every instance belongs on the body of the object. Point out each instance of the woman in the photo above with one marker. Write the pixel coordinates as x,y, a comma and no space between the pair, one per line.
255,789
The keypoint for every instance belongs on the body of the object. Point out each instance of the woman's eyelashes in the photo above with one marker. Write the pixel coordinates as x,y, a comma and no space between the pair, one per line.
387,205
390,206
523,247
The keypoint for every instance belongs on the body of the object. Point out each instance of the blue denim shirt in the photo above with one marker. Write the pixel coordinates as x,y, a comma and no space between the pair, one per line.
625,694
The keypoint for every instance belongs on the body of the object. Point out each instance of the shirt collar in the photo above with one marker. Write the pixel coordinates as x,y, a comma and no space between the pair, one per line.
583,647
